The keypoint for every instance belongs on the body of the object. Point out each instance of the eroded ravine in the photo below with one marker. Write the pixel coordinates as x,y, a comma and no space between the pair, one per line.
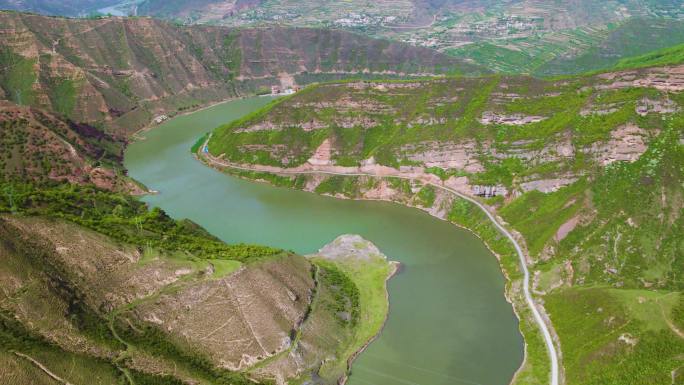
449,322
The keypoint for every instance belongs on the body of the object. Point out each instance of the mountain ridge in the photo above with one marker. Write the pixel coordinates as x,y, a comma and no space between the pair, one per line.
150,68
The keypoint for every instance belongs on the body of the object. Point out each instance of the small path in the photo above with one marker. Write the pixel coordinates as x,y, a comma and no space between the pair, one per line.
669,322
125,371
43,368
541,323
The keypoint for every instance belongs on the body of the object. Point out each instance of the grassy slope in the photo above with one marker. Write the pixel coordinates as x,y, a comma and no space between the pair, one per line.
663,57
632,38
184,245
369,277
122,219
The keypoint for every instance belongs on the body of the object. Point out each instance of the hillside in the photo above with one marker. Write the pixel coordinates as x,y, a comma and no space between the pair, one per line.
41,147
120,73
96,285
663,57
522,36
562,162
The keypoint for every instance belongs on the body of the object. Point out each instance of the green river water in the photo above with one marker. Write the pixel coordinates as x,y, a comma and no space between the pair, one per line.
449,322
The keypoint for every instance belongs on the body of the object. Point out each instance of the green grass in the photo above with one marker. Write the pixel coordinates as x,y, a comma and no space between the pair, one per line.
537,216
368,278
648,248
123,218
223,268
591,323
63,94
668,56
17,77
200,141
426,196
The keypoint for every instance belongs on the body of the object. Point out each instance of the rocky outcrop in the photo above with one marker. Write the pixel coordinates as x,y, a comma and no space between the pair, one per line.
646,106
446,155
547,185
323,154
661,78
490,117
626,143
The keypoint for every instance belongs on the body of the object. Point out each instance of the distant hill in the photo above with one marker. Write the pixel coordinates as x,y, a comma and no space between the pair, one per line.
122,72
633,37
667,56
539,37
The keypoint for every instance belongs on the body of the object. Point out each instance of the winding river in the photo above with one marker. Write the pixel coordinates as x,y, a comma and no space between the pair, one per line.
449,323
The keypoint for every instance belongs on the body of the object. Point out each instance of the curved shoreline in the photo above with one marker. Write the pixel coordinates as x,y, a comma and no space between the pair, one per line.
396,268
541,322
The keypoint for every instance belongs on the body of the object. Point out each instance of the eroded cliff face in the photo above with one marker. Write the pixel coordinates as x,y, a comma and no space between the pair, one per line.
481,129
123,72
553,150
268,319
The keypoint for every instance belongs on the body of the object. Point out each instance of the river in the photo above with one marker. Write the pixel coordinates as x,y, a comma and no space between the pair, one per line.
449,322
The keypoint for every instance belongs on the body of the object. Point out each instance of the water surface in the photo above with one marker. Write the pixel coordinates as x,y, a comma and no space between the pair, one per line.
449,323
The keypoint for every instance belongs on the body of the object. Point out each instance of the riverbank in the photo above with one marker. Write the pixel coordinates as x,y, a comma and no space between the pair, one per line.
438,331
369,270
518,293
136,136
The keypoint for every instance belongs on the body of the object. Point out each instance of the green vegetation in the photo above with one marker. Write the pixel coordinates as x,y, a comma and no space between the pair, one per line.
199,143
638,248
442,173
14,337
232,54
663,57
359,288
63,94
122,218
346,295
224,267
339,184
615,336
17,77
537,216
574,173
156,342
468,215
426,196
